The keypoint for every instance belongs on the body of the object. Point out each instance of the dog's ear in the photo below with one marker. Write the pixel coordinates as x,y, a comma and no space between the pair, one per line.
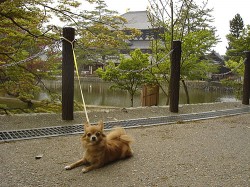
86,125
101,125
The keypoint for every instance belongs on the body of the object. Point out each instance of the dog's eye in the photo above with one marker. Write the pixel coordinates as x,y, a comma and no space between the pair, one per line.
98,134
88,134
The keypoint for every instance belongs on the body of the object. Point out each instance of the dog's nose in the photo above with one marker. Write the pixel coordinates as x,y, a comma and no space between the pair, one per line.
93,138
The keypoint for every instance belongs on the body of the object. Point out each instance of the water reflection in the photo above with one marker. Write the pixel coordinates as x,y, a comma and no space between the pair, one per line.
99,93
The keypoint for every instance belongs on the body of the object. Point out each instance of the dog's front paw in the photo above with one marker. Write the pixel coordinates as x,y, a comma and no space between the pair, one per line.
85,170
67,167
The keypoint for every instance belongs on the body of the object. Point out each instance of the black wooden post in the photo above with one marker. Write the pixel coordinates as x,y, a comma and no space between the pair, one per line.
175,76
67,74
246,81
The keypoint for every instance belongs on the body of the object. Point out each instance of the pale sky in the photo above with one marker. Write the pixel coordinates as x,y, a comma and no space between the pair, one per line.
224,11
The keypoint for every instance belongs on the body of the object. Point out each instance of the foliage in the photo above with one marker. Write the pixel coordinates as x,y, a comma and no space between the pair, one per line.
22,36
237,45
237,67
190,23
236,26
195,45
238,71
235,82
238,42
129,75
30,40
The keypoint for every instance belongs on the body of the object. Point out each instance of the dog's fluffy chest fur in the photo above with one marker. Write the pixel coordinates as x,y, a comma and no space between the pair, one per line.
109,151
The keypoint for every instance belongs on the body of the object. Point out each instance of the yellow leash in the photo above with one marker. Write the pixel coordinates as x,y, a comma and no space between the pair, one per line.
78,77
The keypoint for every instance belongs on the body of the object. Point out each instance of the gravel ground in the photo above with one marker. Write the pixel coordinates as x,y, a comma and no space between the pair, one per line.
202,153
26,121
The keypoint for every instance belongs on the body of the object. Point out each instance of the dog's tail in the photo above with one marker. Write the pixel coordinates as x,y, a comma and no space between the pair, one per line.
120,133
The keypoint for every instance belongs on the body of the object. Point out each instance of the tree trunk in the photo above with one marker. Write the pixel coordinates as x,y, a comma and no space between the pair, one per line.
131,100
168,98
186,91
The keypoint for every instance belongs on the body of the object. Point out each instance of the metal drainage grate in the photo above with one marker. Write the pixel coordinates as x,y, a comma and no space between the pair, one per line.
39,132
76,129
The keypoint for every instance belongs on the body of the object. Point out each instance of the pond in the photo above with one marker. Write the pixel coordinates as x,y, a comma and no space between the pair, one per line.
99,93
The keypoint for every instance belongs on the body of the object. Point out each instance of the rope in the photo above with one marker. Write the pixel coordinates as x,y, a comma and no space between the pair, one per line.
44,50
78,77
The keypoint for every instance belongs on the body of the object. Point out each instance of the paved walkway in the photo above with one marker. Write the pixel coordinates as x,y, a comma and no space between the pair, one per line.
212,152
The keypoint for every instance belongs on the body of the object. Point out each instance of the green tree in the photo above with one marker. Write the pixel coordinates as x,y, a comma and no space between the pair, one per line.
22,35
235,57
236,26
30,40
129,75
238,39
190,23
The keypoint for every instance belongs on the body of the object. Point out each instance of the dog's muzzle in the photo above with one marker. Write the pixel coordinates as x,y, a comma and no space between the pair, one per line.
93,138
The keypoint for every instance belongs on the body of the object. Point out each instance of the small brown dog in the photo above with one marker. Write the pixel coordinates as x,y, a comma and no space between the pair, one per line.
101,149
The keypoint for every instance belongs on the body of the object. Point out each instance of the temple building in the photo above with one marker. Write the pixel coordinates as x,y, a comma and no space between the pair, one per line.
139,20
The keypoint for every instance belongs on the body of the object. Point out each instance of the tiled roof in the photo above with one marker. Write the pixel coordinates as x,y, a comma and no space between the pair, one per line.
137,19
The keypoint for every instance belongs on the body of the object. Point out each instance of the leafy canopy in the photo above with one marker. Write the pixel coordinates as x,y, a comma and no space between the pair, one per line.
22,34
28,28
238,42
130,74
189,22
238,39
236,26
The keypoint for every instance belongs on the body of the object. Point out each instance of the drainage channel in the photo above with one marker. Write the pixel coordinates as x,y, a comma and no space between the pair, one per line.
14,135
